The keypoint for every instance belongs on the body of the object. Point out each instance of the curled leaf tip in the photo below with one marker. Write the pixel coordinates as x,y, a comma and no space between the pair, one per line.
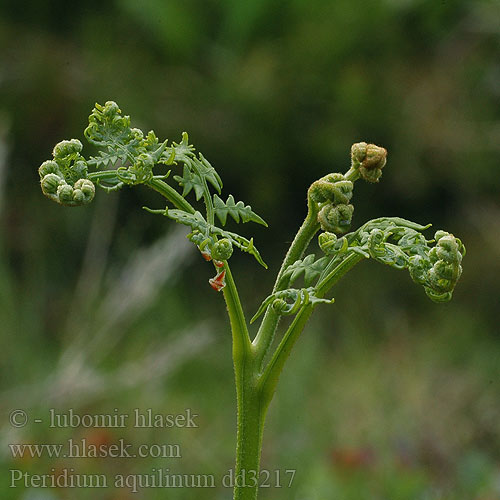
439,269
333,193
327,242
66,149
289,301
336,218
64,179
222,249
369,159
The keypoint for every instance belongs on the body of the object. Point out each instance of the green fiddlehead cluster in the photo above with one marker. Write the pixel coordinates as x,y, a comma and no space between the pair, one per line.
392,240
368,160
332,193
439,270
64,179
395,242
401,244
128,157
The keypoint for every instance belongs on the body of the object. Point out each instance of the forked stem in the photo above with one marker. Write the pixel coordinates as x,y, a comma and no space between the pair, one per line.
393,241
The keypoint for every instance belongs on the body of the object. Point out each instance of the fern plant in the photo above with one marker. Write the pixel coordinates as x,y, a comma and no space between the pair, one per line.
128,157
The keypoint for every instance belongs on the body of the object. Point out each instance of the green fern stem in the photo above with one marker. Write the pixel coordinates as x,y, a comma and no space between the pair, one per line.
342,268
254,396
250,416
250,429
171,194
242,347
270,377
305,234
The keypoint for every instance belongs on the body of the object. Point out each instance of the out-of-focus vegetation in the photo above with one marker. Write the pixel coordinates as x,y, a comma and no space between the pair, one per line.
106,307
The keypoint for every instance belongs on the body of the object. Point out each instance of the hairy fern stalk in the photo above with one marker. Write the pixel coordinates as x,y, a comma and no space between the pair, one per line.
128,157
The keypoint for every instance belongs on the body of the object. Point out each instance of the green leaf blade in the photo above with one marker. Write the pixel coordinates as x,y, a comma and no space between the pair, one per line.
237,210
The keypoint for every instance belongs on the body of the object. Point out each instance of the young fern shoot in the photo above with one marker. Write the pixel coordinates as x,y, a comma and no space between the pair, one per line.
128,157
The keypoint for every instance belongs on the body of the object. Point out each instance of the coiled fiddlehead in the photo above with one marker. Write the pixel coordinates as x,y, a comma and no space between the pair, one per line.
400,244
369,160
64,179
336,218
288,302
327,242
440,269
222,249
332,193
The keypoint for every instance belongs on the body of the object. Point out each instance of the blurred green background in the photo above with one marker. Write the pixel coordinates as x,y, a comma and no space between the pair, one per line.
387,395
